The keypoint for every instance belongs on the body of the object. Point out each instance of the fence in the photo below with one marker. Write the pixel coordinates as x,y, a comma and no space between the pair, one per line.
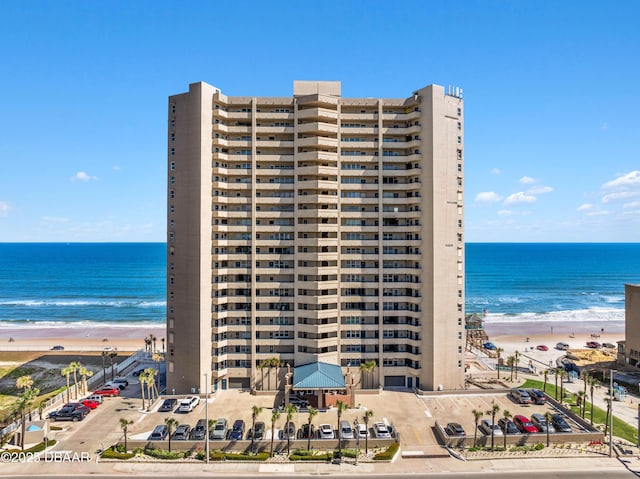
94,380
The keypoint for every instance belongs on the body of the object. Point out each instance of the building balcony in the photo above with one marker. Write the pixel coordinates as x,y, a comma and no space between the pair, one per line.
321,114
318,128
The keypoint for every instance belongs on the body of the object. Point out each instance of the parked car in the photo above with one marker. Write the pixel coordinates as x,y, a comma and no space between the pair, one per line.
188,403
107,391
560,424
181,433
562,346
306,431
198,433
120,381
77,405
299,402
69,413
608,345
57,348
326,431
538,396
258,431
454,429
219,431
521,396
346,432
289,431
486,426
593,344
508,426
138,372
118,386
381,431
95,397
237,430
542,347
540,423
159,433
168,405
490,346
524,425
89,403
362,431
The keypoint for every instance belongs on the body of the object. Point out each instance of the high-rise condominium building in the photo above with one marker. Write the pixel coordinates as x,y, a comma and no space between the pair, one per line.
315,229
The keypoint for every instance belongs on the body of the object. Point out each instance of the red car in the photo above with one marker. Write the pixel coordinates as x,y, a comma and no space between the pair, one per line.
111,392
593,344
89,403
542,347
523,423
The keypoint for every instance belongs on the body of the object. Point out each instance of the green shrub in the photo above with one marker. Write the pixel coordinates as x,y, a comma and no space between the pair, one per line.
230,456
388,454
351,453
311,457
162,454
37,448
111,454
538,447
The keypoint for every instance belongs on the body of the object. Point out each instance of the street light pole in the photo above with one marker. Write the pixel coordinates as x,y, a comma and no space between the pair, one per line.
611,412
206,416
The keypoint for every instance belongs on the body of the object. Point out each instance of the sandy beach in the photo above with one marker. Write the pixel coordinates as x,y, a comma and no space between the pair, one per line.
79,338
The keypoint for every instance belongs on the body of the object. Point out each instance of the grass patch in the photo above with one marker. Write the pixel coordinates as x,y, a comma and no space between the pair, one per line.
37,448
230,456
162,454
113,454
621,429
311,457
388,454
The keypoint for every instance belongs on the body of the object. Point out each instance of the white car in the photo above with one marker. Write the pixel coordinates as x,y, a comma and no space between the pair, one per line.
486,426
326,431
188,403
362,431
381,431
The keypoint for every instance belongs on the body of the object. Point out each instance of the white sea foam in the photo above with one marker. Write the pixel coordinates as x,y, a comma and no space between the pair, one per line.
580,315
76,324
73,303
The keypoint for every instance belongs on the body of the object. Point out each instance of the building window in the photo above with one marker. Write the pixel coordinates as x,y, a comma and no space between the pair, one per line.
173,151
173,166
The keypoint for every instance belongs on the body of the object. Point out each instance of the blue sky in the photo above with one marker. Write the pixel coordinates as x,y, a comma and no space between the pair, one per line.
550,90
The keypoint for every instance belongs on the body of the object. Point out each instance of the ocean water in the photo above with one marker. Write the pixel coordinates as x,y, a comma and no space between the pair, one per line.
123,284
54,284
565,282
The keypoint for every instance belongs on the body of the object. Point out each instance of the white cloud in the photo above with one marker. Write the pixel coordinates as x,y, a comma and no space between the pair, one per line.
116,168
527,180
585,207
518,198
632,205
495,171
82,176
628,179
4,208
620,195
487,197
505,213
599,213
539,190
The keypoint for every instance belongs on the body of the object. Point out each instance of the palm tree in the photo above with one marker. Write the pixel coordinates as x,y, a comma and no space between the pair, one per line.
153,339
517,360
507,415
158,358
25,383
493,411
162,339
171,425
563,376
313,412
84,374
143,378
66,372
290,410
546,377
548,418
476,416
75,365
511,361
124,425
556,373
255,412
112,356
498,353
261,367
25,401
275,415
367,368
607,400
592,385
368,414
151,384
147,344
580,400
341,407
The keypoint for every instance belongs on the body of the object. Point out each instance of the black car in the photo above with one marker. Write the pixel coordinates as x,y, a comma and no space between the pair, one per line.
237,431
258,431
69,413
508,426
167,405
559,423
181,433
538,396
138,372
455,429
307,431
